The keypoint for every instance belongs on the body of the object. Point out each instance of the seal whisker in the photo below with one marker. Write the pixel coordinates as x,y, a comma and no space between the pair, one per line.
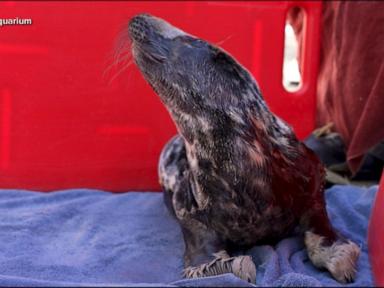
122,55
116,62
121,70
223,41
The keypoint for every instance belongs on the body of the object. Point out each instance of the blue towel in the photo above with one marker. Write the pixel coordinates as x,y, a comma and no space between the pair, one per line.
84,237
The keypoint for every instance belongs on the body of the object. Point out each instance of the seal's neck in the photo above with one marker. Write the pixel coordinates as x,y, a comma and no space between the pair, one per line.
228,139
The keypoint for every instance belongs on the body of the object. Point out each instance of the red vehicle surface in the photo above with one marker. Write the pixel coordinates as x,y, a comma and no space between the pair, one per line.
376,236
66,123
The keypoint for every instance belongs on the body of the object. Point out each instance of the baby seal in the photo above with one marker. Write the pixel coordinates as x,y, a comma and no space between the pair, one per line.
235,175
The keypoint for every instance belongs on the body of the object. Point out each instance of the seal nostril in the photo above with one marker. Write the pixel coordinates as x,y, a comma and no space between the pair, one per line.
138,27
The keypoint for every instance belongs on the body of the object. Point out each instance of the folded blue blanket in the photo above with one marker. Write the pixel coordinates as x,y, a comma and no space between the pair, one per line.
86,237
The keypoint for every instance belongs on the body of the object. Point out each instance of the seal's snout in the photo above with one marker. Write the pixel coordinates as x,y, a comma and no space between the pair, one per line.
143,27
139,28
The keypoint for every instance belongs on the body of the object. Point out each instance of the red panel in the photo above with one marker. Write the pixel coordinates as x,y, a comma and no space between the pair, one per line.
63,125
376,236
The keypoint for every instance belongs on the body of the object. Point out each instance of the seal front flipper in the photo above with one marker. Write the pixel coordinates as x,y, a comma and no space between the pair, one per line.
327,248
205,253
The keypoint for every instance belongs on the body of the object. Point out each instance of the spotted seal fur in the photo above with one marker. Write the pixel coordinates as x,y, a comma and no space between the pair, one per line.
235,175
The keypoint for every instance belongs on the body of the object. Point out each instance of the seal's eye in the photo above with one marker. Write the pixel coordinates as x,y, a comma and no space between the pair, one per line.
220,56
225,63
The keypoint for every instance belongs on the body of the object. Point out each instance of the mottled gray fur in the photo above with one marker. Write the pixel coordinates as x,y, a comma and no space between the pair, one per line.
235,175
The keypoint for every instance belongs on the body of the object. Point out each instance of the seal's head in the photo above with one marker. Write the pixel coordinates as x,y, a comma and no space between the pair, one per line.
201,84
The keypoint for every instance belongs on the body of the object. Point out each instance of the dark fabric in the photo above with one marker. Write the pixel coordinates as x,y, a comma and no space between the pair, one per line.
331,151
350,88
330,148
